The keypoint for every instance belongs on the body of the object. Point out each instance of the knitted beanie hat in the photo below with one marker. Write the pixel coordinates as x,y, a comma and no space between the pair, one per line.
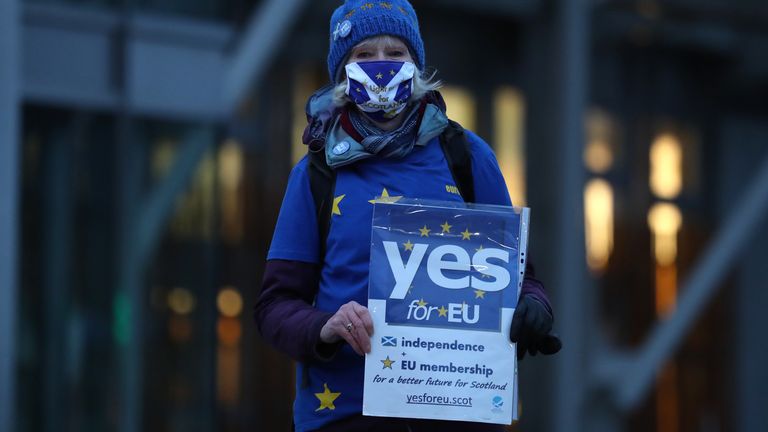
357,20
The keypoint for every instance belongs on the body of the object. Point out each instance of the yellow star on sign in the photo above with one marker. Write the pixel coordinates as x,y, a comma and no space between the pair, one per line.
465,234
479,294
326,399
442,312
424,231
336,202
387,363
385,197
408,245
446,227
422,303
379,76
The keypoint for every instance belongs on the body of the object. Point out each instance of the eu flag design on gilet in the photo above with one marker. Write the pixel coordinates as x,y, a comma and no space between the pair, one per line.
345,275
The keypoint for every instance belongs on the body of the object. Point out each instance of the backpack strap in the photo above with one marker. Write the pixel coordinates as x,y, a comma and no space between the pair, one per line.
322,181
457,152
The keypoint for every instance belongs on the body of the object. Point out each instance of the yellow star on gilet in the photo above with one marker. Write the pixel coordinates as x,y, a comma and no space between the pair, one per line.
479,294
465,234
446,228
408,245
326,399
424,231
336,202
442,312
385,197
422,303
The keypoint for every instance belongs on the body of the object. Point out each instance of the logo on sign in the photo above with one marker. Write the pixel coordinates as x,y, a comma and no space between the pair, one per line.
444,267
458,283
389,341
438,262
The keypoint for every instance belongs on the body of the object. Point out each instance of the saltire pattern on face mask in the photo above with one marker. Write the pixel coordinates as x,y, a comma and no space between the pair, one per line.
380,89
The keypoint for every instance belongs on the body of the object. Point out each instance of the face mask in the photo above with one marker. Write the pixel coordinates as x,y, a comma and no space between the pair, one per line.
380,89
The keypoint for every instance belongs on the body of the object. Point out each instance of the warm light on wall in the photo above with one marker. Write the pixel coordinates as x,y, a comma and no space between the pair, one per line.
666,289
665,220
598,220
460,105
598,193
230,164
195,208
230,302
666,159
598,153
229,331
179,329
230,161
509,127
181,301
598,156
163,155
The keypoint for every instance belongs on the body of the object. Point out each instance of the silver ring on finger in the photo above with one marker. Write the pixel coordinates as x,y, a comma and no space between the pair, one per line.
349,327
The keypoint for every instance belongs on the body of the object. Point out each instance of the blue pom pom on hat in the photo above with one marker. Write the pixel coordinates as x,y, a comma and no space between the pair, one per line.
357,20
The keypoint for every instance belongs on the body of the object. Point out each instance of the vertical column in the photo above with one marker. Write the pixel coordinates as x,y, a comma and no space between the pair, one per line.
57,265
743,147
9,228
128,303
570,48
536,374
750,354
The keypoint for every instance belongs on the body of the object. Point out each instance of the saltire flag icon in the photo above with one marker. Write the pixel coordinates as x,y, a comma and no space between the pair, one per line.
389,341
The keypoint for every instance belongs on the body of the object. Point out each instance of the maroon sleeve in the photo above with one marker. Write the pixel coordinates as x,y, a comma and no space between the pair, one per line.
284,313
534,288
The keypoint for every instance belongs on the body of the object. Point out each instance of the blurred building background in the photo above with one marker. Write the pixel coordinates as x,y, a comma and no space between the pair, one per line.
145,146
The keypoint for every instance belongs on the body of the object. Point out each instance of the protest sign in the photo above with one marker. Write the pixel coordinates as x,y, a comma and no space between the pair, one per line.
444,282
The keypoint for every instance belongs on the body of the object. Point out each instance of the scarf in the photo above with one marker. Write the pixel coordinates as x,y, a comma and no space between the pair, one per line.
396,143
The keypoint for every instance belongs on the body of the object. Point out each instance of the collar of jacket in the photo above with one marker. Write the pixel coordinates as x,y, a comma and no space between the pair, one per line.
433,122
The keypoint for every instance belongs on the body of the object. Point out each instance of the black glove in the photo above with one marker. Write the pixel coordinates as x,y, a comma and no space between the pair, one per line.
531,328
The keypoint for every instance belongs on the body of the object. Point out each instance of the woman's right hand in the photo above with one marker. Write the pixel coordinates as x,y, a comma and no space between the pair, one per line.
353,323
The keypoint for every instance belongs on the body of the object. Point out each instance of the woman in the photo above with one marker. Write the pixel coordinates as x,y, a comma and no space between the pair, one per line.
381,141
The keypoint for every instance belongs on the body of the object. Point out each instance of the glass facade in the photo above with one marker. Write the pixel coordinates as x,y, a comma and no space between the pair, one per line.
197,337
